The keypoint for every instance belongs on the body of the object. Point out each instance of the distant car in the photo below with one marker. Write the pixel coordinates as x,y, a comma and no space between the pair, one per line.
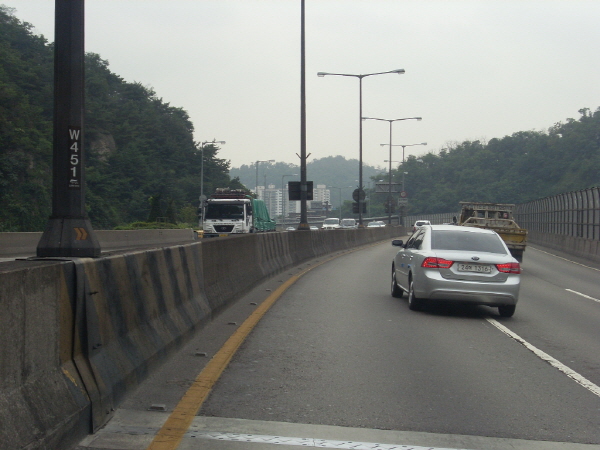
348,223
375,224
332,223
456,264
290,229
314,228
420,223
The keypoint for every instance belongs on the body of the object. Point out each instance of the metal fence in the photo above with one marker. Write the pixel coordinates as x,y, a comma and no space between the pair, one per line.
574,214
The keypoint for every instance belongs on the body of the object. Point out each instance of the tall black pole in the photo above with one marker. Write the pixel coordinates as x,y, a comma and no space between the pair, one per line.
69,232
390,180
303,185
360,154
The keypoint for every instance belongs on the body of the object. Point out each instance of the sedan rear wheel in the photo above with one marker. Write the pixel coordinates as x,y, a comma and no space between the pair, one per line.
396,290
414,303
506,310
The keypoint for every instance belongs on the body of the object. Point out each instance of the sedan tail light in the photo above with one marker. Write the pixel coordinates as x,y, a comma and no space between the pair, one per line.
509,268
436,263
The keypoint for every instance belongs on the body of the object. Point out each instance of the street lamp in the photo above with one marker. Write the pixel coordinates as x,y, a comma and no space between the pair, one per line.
202,198
403,146
360,164
282,194
340,191
390,160
267,161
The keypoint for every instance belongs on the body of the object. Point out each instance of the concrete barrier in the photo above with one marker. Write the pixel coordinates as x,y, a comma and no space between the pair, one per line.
79,334
42,397
26,243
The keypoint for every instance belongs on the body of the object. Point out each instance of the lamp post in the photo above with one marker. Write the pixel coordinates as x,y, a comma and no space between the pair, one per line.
360,164
403,147
283,195
202,198
403,159
340,191
390,160
267,161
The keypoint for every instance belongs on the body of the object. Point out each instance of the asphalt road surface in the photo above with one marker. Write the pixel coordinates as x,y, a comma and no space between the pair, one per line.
337,362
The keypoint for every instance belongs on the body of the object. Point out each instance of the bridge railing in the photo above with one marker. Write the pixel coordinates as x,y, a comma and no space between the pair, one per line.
568,222
575,214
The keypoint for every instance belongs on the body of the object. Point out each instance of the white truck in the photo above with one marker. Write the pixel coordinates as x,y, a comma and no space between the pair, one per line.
231,211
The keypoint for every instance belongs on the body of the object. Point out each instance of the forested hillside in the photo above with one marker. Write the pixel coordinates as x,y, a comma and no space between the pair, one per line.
330,171
138,146
514,169
141,153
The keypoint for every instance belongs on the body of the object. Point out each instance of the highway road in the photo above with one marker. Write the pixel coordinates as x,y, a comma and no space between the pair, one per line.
336,362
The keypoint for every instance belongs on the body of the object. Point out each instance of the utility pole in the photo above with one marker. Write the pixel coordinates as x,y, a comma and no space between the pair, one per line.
69,231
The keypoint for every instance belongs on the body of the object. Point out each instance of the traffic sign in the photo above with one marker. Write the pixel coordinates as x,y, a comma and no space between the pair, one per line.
358,193
382,188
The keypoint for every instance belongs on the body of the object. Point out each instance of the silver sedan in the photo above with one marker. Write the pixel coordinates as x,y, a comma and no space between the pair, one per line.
456,264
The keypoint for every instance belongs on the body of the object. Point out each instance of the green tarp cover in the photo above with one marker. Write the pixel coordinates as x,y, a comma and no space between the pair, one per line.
262,221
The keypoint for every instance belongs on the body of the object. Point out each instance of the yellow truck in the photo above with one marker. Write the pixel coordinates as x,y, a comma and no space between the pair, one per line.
497,217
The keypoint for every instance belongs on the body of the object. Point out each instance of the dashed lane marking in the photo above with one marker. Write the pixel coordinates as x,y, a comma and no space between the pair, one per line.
583,295
595,389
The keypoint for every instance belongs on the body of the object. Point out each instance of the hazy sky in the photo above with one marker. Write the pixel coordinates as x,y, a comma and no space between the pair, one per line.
475,69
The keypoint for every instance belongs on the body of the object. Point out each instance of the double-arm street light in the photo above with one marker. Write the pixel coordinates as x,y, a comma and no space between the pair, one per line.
360,164
202,198
403,160
283,194
403,147
256,185
390,160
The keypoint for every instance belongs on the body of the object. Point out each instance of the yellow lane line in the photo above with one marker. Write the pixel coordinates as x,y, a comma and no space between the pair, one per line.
170,435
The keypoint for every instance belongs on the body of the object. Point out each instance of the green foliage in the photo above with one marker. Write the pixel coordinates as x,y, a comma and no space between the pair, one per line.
25,126
137,146
155,209
188,216
514,169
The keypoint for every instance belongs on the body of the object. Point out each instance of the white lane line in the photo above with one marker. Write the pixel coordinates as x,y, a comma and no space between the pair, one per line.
304,442
565,259
593,388
583,295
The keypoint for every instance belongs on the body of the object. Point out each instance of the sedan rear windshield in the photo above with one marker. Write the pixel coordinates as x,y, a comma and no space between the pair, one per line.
457,240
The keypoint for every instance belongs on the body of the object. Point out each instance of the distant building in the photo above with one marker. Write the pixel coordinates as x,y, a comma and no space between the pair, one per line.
316,207
272,198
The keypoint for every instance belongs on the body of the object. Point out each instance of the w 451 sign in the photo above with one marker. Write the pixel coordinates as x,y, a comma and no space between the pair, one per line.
74,158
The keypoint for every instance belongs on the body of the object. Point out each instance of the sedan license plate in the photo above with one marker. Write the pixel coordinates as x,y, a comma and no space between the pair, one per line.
477,268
